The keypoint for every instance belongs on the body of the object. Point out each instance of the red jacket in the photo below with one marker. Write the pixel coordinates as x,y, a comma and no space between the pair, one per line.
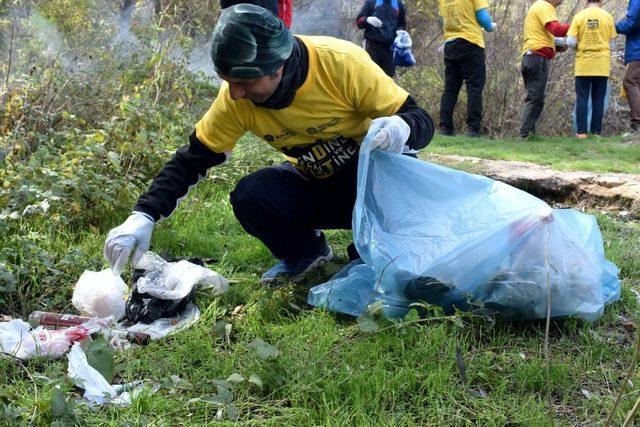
285,11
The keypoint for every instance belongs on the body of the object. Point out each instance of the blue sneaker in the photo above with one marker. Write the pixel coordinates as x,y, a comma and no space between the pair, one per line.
295,271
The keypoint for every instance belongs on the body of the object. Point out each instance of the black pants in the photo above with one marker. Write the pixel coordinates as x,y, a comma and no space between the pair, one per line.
284,209
597,88
463,62
535,73
382,54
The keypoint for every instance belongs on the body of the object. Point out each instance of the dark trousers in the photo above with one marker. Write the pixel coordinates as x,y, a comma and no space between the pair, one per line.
284,209
535,73
631,84
463,62
596,87
382,54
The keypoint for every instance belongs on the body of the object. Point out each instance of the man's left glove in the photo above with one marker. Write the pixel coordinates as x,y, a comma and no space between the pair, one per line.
389,133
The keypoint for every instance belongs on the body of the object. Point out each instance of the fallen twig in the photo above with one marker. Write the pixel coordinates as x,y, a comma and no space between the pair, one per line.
546,329
6,84
632,414
634,361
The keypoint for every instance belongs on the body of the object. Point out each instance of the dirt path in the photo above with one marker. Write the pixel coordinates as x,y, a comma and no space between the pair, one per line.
610,191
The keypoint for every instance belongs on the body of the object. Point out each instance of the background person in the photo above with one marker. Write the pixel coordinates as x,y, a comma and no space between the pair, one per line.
592,30
540,27
282,8
381,20
630,27
464,60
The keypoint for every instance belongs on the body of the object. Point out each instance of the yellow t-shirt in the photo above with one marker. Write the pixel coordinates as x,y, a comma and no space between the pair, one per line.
593,28
459,19
322,129
535,35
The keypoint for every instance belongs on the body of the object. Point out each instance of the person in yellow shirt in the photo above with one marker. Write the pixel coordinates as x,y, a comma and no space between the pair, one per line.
540,27
591,32
313,99
464,60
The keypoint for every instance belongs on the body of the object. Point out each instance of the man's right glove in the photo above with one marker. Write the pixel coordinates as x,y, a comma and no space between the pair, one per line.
374,22
389,134
133,234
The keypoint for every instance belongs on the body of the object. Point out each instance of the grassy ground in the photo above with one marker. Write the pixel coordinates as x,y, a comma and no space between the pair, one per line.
327,371
593,154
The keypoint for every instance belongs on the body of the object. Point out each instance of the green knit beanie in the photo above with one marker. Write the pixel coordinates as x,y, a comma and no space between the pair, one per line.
249,41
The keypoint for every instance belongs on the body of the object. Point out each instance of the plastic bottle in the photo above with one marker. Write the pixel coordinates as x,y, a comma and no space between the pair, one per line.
61,321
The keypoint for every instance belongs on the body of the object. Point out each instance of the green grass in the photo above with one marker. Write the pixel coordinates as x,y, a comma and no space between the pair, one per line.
328,372
562,153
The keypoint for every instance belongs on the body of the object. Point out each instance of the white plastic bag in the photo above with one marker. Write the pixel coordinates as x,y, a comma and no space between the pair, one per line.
176,279
100,294
165,326
18,340
96,388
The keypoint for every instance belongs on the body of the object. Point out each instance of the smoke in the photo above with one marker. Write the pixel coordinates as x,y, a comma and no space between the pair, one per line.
36,26
121,20
124,41
199,61
327,18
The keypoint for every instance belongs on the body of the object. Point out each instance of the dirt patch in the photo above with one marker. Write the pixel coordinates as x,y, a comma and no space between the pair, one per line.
587,189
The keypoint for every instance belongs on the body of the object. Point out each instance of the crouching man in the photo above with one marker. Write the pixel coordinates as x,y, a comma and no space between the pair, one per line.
311,98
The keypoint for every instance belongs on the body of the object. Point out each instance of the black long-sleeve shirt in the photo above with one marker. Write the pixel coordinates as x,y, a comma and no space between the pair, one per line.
390,12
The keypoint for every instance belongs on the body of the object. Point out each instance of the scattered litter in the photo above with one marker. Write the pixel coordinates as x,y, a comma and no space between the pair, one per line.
457,238
161,300
164,289
96,388
628,324
55,320
19,340
166,326
100,294
175,280
61,321
161,304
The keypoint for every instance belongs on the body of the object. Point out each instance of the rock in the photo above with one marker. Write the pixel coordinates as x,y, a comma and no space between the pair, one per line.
592,190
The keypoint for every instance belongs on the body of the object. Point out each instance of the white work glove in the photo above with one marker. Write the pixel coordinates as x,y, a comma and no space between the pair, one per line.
494,26
374,22
560,41
133,234
389,134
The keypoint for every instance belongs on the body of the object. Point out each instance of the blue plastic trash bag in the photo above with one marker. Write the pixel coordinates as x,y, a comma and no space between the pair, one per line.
402,55
429,233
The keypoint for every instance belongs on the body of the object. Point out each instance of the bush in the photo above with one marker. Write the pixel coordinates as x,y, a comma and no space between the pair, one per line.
79,144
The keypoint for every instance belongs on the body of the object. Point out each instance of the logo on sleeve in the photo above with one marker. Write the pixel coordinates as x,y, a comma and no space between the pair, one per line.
284,134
